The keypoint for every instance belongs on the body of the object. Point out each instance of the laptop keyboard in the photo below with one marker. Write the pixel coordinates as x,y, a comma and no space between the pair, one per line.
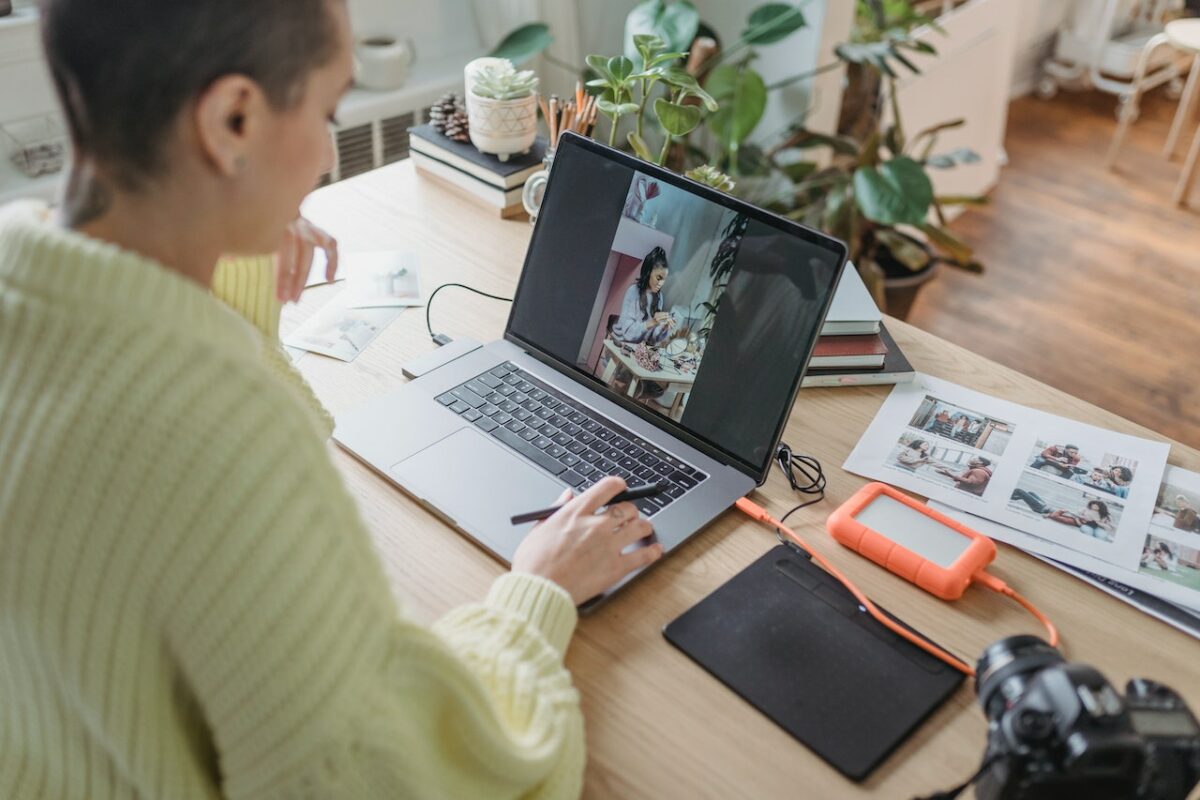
576,444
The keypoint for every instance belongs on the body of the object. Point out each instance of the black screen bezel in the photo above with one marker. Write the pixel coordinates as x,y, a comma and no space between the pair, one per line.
571,144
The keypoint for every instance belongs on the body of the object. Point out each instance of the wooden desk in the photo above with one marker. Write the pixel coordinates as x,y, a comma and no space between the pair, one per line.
658,726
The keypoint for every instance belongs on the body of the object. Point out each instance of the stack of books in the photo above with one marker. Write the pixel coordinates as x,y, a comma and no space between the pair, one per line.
497,184
855,348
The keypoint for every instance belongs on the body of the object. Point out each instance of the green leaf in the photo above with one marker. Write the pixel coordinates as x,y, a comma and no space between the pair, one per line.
799,170
647,44
524,43
903,249
962,155
962,200
675,23
842,145
620,68
676,119
639,146
948,243
894,193
742,97
616,109
872,54
682,79
599,65
771,22
663,58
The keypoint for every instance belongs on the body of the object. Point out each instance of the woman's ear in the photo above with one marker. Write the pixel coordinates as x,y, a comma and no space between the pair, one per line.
226,118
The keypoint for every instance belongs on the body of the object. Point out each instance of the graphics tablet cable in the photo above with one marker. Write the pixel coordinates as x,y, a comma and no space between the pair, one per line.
757,512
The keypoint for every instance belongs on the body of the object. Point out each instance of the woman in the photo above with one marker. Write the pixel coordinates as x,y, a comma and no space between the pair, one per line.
642,318
1093,519
190,606
914,455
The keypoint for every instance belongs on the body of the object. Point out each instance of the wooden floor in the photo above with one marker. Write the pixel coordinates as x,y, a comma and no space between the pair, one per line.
1093,278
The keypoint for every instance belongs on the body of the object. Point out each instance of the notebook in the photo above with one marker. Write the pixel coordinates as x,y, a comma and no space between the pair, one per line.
792,641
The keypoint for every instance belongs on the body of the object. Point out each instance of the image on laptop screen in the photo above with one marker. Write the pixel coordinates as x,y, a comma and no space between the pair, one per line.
685,304
666,273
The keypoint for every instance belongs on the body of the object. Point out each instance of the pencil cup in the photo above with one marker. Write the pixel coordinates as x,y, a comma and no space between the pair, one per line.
535,187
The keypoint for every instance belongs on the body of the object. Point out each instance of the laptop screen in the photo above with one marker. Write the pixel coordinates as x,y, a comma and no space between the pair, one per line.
695,310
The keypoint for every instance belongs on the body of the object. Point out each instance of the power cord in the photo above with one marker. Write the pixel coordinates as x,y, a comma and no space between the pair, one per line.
807,466
440,338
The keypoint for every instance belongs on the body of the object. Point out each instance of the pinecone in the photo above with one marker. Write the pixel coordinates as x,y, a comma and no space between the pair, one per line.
441,112
457,127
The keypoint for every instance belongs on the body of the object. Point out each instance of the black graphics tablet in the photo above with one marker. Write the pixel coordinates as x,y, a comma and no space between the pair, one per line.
794,643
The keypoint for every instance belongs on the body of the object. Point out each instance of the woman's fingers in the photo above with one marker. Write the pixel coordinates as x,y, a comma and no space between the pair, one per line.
303,265
635,531
641,557
599,495
284,260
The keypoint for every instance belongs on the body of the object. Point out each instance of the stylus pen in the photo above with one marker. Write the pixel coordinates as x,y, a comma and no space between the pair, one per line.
636,493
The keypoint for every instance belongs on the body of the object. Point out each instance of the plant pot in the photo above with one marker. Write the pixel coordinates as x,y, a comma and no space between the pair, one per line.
901,285
502,127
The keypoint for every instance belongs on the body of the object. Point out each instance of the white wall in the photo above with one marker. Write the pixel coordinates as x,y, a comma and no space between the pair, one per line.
1038,20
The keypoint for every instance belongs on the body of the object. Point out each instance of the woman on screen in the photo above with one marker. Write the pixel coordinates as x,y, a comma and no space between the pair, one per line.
642,317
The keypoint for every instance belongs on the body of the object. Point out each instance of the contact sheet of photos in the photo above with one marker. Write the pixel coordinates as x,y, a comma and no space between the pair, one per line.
1167,568
1082,488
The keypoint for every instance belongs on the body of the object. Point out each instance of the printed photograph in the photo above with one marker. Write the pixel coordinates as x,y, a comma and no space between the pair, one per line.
942,463
341,332
1168,560
948,421
1065,508
1177,509
1111,474
667,270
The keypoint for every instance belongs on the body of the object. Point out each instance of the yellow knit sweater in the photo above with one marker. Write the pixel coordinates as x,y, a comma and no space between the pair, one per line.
190,606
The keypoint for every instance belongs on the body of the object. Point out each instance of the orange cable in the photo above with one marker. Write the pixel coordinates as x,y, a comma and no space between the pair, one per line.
755,511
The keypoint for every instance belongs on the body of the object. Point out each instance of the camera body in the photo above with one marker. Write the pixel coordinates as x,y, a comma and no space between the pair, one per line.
1060,730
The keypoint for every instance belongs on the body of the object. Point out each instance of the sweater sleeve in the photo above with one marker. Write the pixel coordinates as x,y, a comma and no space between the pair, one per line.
247,285
311,683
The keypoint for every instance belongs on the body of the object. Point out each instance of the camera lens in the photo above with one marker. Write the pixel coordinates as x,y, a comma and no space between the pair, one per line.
1004,668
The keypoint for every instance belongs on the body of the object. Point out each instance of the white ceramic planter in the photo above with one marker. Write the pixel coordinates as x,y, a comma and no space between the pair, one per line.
502,127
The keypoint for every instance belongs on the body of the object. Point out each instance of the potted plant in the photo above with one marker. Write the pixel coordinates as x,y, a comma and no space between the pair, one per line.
876,193
501,107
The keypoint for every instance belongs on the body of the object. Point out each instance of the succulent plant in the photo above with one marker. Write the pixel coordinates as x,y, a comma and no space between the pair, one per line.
711,176
504,82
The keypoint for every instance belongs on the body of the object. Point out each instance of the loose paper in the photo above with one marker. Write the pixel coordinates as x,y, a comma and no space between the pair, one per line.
1087,489
339,331
378,280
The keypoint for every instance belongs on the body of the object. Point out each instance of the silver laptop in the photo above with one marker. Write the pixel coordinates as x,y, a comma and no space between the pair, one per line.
659,332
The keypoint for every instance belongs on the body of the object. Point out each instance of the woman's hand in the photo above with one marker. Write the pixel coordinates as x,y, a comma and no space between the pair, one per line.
294,259
580,550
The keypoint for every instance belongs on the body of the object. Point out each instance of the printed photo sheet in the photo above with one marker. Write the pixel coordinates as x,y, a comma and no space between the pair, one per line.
1168,566
1086,489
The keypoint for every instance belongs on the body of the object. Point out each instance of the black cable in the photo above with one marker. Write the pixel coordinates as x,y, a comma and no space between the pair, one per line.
441,339
810,468
952,794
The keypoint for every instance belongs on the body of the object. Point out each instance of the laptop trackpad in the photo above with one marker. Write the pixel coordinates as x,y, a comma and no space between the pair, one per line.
479,485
